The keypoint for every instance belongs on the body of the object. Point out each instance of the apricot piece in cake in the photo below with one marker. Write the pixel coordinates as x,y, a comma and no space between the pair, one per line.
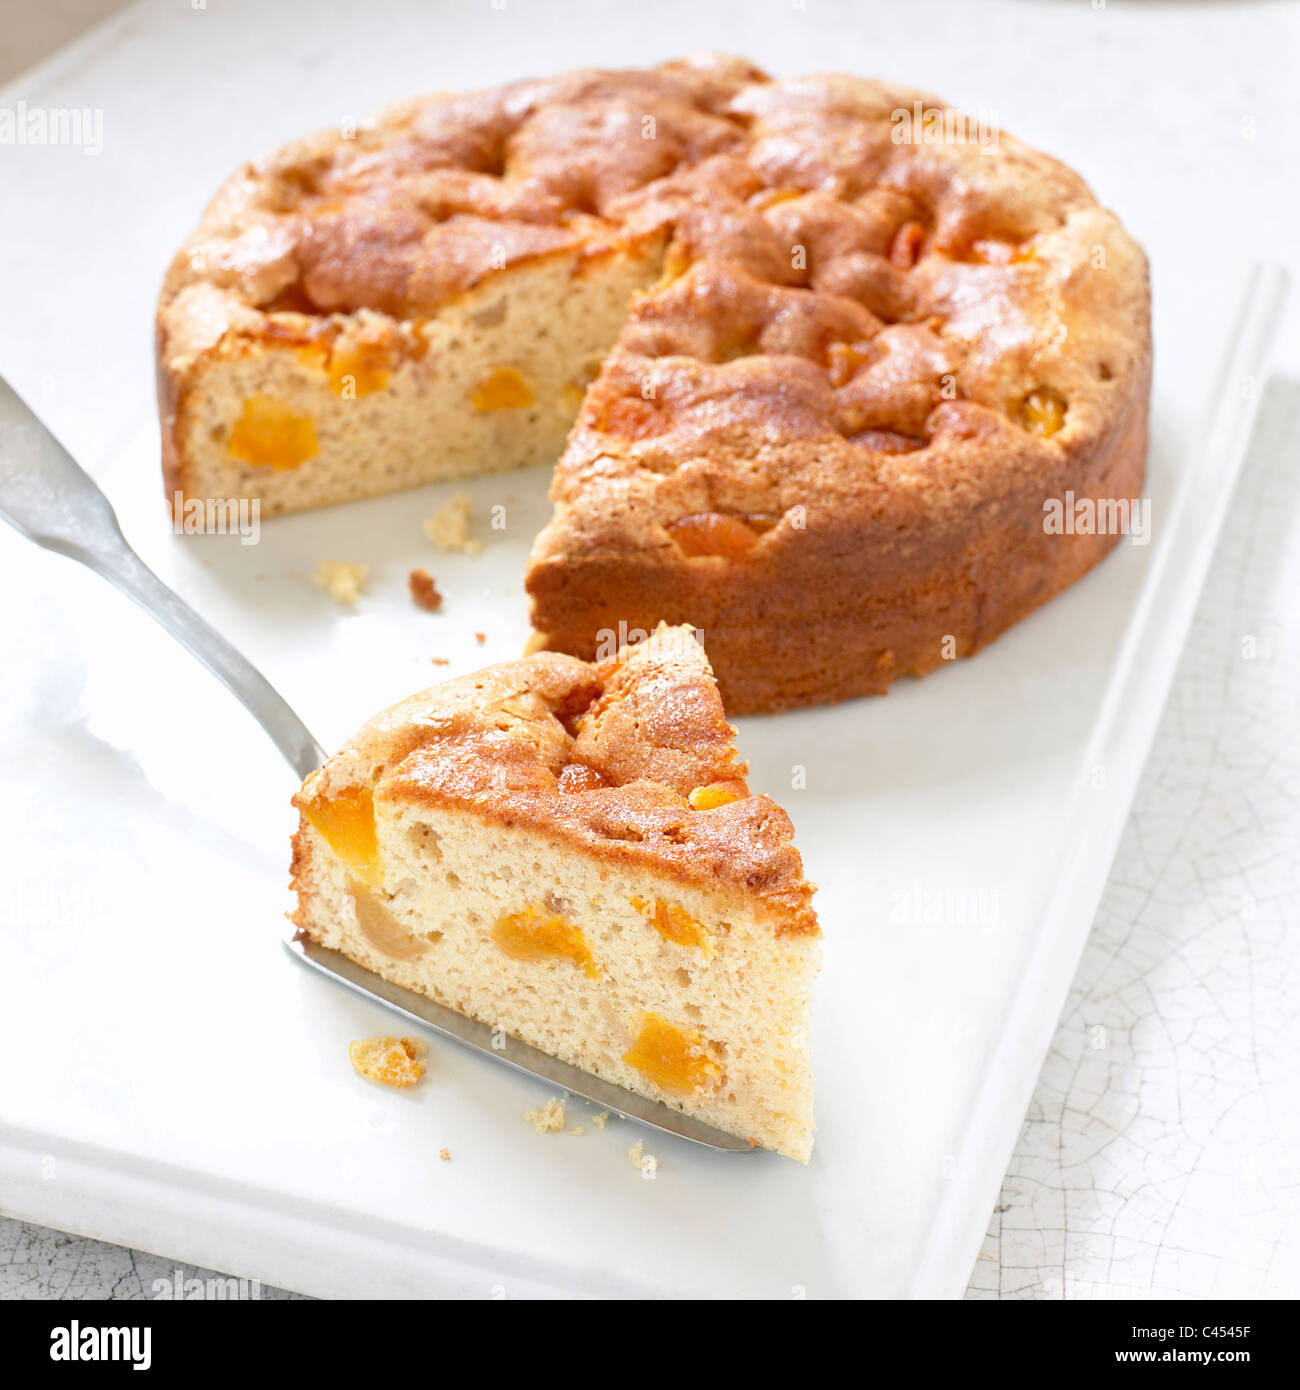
844,359
533,935
769,197
716,794
716,533
346,822
1041,412
992,252
577,777
503,389
677,1060
315,354
381,930
677,261
674,923
270,435
357,371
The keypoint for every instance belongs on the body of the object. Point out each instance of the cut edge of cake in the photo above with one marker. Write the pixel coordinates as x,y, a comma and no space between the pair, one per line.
571,852
246,398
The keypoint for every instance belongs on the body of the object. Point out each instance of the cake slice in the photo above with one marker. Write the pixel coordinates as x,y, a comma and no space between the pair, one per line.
570,852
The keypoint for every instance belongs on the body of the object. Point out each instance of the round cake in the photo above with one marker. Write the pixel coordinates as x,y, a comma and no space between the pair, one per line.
820,357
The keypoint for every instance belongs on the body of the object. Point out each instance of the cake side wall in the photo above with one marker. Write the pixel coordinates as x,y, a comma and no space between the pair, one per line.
859,596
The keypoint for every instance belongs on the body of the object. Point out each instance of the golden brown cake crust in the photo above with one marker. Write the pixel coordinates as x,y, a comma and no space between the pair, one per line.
604,757
825,438
436,195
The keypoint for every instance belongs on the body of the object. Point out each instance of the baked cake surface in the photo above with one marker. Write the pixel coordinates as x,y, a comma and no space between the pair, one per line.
839,364
571,852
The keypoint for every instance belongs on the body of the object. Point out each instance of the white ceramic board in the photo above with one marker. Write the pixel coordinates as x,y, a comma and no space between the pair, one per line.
172,1081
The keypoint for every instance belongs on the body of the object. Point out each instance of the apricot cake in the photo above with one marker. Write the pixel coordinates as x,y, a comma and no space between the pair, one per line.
825,345
570,852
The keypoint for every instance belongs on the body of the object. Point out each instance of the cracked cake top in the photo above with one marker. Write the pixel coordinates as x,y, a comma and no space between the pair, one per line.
631,758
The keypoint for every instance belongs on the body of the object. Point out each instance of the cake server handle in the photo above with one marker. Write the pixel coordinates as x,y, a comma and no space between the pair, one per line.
52,500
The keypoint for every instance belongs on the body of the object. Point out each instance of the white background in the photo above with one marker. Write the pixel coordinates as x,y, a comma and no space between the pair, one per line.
1166,1166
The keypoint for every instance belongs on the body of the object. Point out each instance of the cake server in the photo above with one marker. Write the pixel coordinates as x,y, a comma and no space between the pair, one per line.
47,496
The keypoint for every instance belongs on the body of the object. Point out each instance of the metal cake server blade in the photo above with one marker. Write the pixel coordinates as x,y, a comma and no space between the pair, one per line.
52,500
47,496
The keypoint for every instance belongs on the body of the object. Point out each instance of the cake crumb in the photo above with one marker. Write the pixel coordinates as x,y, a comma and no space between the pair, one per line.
549,1118
601,1120
480,637
342,581
445,1155
448,527
441,660
393,1061
424,591
647,1163
576,1131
